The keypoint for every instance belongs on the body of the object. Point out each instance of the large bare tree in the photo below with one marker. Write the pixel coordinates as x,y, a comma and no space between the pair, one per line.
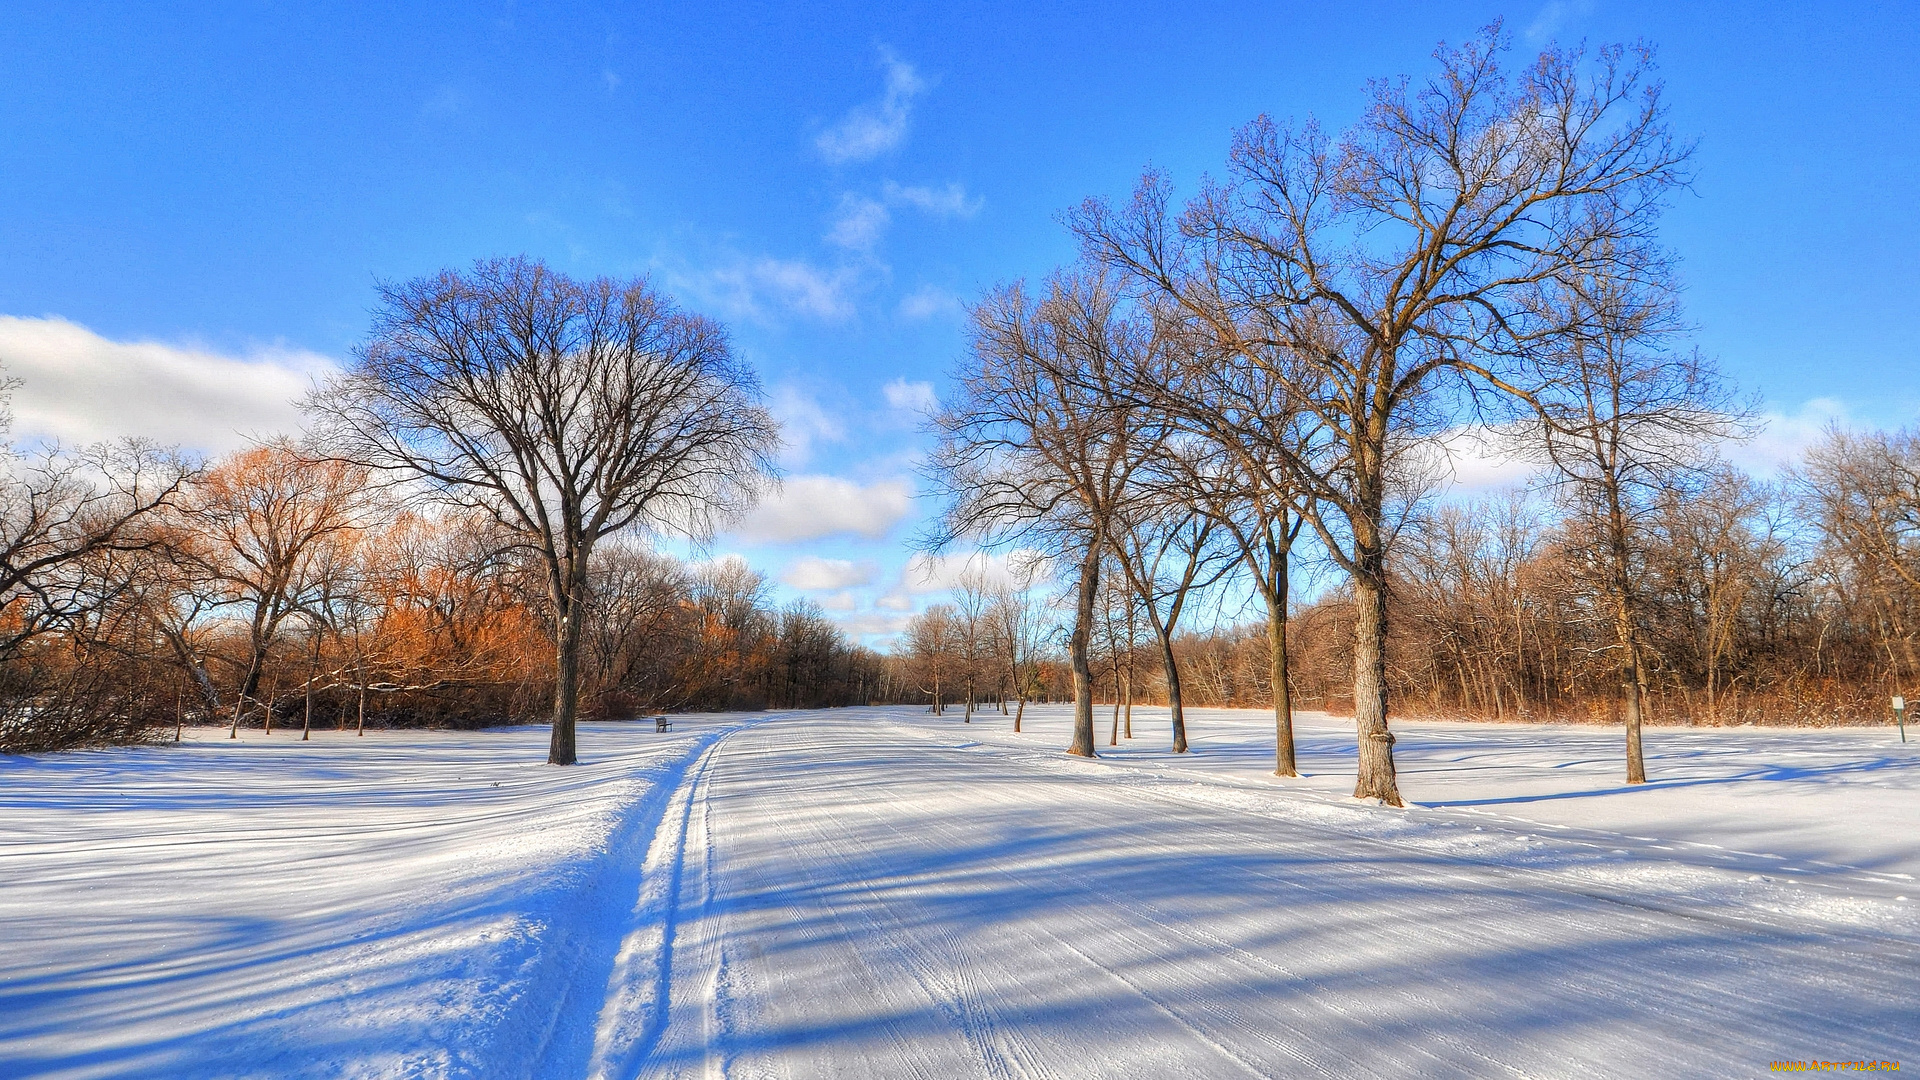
1386,274
1038,444
567,410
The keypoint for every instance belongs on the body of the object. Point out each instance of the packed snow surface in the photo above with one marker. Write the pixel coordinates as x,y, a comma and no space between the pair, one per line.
882,892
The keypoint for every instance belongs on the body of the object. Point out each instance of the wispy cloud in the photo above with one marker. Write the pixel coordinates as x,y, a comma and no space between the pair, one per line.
1555,16
949,201
872,129
757,288
861,220
913,397
859,223
803,423
810,507
926,574
929,301
810,573
873,624
79,387
1784,437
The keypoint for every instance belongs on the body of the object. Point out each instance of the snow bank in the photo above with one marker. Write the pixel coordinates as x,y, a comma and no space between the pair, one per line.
403,904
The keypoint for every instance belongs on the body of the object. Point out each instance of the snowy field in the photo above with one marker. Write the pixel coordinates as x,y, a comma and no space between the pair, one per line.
880,892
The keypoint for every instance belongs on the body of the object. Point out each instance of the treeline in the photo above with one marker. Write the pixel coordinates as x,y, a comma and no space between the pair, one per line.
1786,602
1792,602
275,588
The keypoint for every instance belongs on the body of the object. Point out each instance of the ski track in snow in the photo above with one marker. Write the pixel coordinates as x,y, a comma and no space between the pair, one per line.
880,892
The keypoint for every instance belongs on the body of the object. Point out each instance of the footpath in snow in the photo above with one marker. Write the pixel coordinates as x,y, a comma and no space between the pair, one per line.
880,892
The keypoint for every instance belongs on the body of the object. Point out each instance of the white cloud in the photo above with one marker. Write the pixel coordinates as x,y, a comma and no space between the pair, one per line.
844,600
813,506
928,301
750,287
949,201
802,424
1784,437
895,601
861,220
869,130
873,624
811,573
1466,462
938,573
859,224
914,397
79,387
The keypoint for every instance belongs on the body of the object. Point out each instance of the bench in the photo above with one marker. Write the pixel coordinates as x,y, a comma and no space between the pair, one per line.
661,723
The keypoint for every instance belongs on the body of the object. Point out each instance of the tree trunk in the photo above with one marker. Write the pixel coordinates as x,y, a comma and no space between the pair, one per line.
1113,736
1019,713
566,688
360,725
1634,689
1127,714
1376,778
1283,759
1082,745
1173,694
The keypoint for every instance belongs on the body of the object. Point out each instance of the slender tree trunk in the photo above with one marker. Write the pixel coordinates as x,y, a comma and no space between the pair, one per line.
1633,691
179,712
1174,706
1019,713
1082,745
273,690
360,724
1113,736
306,725
1283,759
1376,778
1127,691
566,690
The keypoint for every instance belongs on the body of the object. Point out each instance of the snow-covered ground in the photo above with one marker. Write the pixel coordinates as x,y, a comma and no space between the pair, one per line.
880,892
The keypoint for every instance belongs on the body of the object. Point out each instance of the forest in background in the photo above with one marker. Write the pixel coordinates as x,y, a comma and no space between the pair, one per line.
1784,602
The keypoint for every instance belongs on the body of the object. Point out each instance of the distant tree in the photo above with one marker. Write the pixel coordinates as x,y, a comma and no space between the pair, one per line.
1017,633
567,410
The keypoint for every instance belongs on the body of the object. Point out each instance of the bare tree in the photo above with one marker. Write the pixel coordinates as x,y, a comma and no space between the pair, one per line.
1166,550
60,508
1863,490
1626,417
267,520
567,410
1016,633
1386,275
933,644
1039,446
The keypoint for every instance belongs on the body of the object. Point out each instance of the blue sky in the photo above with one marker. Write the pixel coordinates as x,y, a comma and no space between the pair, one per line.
196,199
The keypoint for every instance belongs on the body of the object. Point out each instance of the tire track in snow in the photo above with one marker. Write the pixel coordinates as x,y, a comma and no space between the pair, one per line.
1863,962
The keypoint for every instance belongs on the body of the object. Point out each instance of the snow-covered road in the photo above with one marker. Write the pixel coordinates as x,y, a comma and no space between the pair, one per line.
867,897
880,892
